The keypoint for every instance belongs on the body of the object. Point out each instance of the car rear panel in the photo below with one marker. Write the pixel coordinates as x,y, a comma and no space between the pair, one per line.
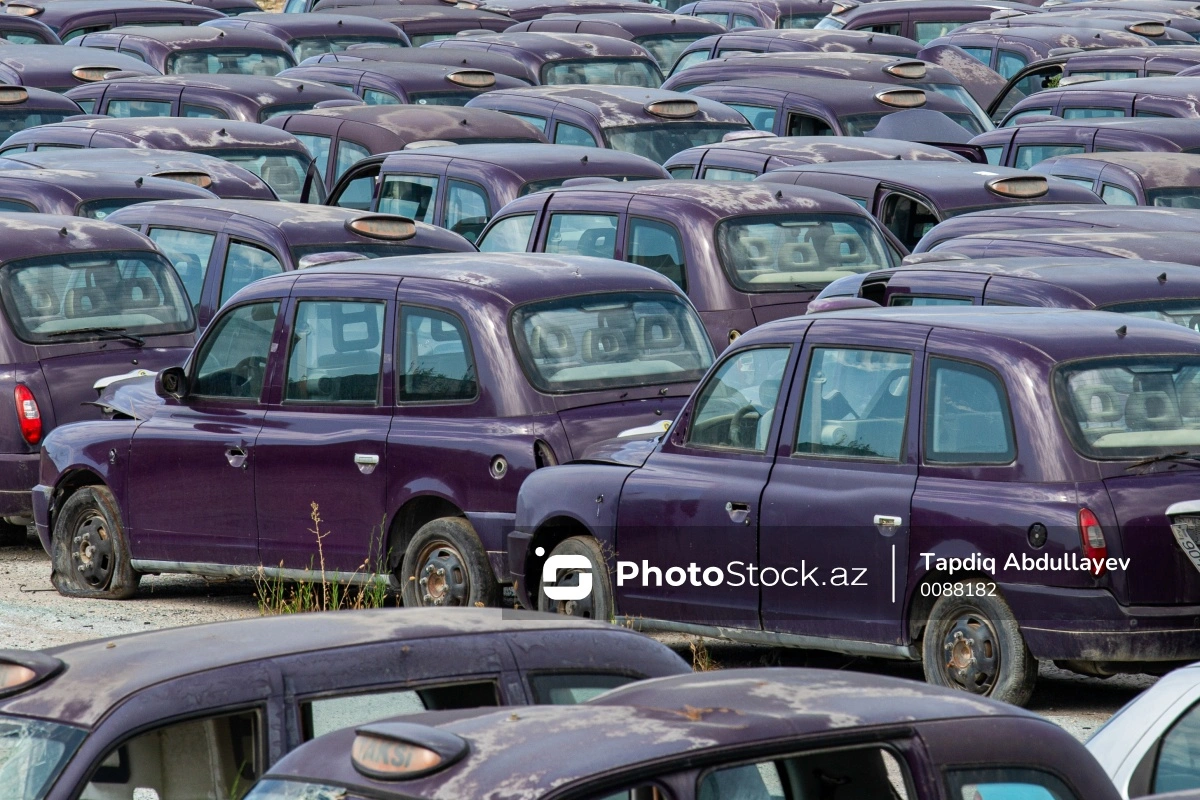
588,425
70,376
1160,573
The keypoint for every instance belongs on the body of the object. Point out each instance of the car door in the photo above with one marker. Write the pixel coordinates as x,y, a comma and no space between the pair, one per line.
191,470
320,454
836,509
694,507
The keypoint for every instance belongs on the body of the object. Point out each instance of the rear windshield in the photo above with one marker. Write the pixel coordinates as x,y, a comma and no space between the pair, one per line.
32,753
797,252
1175,197
81,296
1180,312
17,120
237,61
283,171
660,141
1133,407
862,124
604,341
320,45
619,71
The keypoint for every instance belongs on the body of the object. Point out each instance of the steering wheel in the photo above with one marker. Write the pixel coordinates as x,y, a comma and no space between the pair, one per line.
252,370
737,425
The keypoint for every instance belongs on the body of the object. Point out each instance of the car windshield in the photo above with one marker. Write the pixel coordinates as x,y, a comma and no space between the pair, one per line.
666,47
619,71
320,45
1131,408
294,790
234,61
32,752
660,141
862,124
283,171
604,341
17,120
797,252
1175,197
78,296
369,250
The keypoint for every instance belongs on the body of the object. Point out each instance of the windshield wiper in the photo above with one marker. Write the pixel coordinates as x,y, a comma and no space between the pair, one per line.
1182,457
114,333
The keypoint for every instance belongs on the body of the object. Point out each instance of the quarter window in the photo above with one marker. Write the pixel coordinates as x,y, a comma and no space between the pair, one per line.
85,105
1009,64
736,408
412,196
509,235
335,352
244,264
378,97
967,419
725,174
582,235
233,358
322,715
805,125
466,209
566,133
205,112
855,404
570,688
138,108
683,173
436,365
1178,766
1030,154
348,155
761,118
993,155
1116,196
189,252
532,119
855,772
318,146
1091,113
657,245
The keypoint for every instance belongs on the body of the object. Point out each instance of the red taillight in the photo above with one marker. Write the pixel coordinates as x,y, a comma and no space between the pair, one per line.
1092,536
28,415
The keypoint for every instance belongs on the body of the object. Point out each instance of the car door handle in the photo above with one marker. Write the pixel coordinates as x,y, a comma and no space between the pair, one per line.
366,462
236,457
887,524
738,512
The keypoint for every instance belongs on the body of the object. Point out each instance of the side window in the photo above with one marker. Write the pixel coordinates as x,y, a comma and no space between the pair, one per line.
1178,766
207,112
582,235
917,300
690,60
744,21
509,235
1030,154
981,54
967,419
906,217
532,119
761,118
233,357
855,404
412,196
657,245
926,32
724,174
1029,112
336,352
1009,64
188,252
1116,196
244,264
138,108
318,146
1086,183
889,28
322,715
378,97
349,154
566,133
993,154
1006,782
804,125
570,688
358,192
209,757
736,408
1091,113
8,204
466,209
683,173
436,363
86,105
869,771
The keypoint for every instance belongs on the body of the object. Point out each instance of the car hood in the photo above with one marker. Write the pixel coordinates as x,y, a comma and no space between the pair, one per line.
132,397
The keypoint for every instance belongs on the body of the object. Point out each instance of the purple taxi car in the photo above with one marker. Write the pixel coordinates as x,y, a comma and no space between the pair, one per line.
882,453
664,35
919,20
652,123
81,300
769,14
252,690
496,63
73,18
463,186
745,253
1008,50
339,138
745,159
380,83
26,30
279,158
195,50
22,107
94,195
739,734
1163,180
58,67
422,24
524,10
317,34
798,40
569,58
1022,146
249,98
220,246
536,357
910,197
1153,245
1136,97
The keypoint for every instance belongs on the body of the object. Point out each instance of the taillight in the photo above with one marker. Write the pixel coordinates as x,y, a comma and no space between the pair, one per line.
1092,536
28,415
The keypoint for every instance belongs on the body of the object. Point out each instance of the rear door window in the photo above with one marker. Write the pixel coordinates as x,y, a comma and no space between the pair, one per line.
926,32
203,112
744,21
981,54
761,118
1030,154
138,108
466,209
348,154
1006,783
244,264
188,252
967,418
532,119
582,235
658,246
378,97
805,125
509,235
336,352
571,688
1116,196
1009,64
566,133
412,196
908,218
318,147
436,365
872,771
726,174
1092,113
322,715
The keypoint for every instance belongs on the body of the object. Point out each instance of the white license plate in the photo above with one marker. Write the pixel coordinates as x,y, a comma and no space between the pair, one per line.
1188,536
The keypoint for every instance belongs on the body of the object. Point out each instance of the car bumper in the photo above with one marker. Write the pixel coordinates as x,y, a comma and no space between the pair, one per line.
1090,625
518,546
18,473
41,513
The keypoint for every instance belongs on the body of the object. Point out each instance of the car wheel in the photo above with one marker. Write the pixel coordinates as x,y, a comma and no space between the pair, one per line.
973,643
597,604
12,535
445,565
90,553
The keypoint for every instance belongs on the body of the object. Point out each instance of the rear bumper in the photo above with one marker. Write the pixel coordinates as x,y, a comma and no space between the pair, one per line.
1090,625
41,513
18,474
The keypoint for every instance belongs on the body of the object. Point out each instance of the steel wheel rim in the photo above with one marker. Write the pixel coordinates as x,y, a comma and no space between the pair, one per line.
971,652
442,578
92,551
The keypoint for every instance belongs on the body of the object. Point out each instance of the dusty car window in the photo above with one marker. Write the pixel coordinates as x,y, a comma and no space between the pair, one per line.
322,715
320,45
783,253
138,108
245,264
100,209
1091,113
981,54
1030,154
509,235
80,296
1175,197
378,97
348,155
1116,196
761,118
1006,784
189,252
1009,64
233,357
582,235
693,58
658,142
318,147
336,352
466,209
666,47
13,121
203,112
855,404
619,71
570,688
737,406
32,753
535,121
412,196
221,62
566,133
282,170
659,246
610,340
436,364
967,418
858,772
1177,768
295,790
209,757
727,174
908,218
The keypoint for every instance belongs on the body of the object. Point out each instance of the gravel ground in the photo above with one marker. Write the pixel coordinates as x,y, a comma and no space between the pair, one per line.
33,616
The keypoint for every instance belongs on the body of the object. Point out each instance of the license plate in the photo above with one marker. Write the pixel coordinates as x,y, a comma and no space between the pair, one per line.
1187,533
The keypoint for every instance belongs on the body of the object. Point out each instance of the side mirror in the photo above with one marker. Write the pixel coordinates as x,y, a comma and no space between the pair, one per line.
172,382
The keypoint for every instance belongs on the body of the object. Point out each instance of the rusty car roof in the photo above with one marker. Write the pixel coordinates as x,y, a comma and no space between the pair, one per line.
182,36
824,149
31,235
613,106
426,122
316,23
264,90
534,158
554,46
173,133
1154,168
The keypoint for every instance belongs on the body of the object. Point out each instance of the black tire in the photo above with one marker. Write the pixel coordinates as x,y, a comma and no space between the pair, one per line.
445,565
13,535
598,604
90,552
974,644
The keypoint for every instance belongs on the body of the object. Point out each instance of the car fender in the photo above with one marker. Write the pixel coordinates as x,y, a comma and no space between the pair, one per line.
97,447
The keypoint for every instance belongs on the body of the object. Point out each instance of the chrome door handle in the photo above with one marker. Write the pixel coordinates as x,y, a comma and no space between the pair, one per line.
366,462
739,513
888,525
236,457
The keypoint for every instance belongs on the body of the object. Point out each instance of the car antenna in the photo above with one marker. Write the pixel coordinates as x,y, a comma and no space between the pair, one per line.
1162,278
1121,331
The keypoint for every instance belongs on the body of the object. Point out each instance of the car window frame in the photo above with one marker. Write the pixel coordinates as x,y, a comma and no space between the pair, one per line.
627,244
926,410
782,401
201,350
292,311
402,306
232,239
